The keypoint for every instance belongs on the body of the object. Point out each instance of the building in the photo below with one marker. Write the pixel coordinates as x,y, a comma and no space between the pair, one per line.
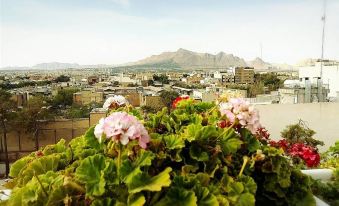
303,93
88,96
244,75
92,80
330,75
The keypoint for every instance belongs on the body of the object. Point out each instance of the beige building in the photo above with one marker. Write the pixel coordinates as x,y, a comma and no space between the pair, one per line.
88,96
244,75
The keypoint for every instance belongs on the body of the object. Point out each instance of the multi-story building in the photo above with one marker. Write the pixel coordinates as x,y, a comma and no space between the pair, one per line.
326,72
244,75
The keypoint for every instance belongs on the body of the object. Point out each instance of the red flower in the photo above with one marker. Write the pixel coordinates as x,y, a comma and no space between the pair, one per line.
179,99
281,143
262,133
224,123
39,153
307,153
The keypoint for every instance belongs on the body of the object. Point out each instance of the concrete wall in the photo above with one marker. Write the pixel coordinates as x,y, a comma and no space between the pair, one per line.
323,118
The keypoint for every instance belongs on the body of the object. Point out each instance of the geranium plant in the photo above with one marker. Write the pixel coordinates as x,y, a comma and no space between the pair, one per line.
179,157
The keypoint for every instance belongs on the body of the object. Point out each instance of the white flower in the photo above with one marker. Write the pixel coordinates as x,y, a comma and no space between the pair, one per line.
117,99
99,129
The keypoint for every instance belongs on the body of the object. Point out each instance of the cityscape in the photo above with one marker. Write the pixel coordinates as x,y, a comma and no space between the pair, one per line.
172,126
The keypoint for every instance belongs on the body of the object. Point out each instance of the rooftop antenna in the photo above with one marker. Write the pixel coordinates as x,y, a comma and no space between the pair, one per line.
260,50
323,19
320,80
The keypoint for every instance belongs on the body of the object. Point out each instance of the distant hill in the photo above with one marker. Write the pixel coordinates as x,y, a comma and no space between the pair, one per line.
186,59
56,66
259,64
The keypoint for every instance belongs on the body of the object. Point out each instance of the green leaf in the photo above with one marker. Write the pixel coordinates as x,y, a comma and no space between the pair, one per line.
103,202
80,149
205,198
249,184
18,165
197,152
136,200
91,172
246,199
56,148
179,197
38,166
142,181
91,140
251,142
192,131
208,133
174,141
230,141
144,158
128,169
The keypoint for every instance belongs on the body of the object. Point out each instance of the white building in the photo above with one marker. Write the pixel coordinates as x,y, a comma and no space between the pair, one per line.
330,75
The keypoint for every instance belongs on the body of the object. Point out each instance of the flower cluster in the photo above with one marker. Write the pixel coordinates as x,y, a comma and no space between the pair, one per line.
114,102
281,144
305,152
122,127
179,99
262,133
240,111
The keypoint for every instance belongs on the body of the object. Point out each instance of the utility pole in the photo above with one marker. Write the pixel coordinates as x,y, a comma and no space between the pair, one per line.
260,50
320,79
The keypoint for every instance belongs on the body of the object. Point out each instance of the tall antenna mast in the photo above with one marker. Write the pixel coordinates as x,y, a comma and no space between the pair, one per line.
260,50
323,18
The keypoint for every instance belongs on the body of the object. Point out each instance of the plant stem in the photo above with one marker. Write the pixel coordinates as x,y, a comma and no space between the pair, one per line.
119,160
243,166
225,131
42,187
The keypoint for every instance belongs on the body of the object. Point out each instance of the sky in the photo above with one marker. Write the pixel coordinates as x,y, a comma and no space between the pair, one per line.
121,31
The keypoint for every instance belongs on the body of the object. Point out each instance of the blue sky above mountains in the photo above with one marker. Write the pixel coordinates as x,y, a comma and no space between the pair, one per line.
119,31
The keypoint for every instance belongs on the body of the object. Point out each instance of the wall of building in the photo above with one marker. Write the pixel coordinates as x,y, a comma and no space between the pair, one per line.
321,117
330,75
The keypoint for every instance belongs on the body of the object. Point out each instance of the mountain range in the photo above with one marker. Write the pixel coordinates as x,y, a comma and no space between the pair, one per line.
181,58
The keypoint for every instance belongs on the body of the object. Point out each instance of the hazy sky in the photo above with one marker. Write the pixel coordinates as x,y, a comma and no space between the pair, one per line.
119,31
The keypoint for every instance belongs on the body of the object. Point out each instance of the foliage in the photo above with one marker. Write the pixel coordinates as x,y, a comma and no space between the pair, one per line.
161,78
62,78
270,80
78,111
255,89
168,97
7,109
34,113
8,85
328,191
64,98
189,160
300,133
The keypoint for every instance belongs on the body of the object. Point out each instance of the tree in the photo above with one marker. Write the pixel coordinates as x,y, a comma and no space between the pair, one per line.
34,115
62,78
116,83
7,115
64,98
269,80
161,78
255,89
168,97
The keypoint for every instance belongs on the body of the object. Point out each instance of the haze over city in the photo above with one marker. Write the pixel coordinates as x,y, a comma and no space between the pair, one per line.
120,31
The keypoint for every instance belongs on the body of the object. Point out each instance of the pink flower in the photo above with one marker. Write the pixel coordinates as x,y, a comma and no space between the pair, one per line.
122,127
239,111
